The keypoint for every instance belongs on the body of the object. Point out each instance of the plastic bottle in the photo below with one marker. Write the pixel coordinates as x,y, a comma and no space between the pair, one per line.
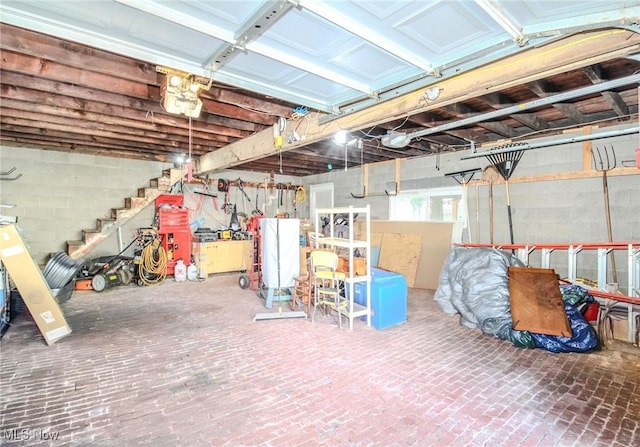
180,271
192,272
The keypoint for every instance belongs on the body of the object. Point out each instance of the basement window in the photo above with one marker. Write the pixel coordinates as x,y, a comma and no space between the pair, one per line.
432,205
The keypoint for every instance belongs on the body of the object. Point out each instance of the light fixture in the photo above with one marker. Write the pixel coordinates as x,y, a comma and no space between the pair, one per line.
344,138
395,139
180,92
433,93
341,137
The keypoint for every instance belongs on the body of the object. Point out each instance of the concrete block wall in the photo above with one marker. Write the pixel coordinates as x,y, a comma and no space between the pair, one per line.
61,193
553,211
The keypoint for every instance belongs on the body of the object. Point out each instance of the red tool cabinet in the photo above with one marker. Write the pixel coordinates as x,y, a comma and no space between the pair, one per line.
174,230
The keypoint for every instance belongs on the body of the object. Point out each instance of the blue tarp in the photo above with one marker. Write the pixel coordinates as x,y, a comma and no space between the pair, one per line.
583,337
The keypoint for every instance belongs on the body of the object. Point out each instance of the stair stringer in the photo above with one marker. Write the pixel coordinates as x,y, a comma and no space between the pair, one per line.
91,238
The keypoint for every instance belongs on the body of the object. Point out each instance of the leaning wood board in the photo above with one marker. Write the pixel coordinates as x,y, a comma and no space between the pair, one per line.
536,302
437,238
400,253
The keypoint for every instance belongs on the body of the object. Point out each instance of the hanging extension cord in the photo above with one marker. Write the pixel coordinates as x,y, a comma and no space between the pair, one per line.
153,263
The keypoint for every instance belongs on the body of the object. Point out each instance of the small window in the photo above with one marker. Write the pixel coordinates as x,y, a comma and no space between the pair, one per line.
436,205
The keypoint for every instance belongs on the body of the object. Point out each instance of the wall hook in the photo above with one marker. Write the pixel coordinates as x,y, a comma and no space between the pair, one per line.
394,193
360,196
365,183
397,185
10,171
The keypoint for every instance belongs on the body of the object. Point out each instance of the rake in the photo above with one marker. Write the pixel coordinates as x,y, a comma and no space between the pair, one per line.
505,163
464,177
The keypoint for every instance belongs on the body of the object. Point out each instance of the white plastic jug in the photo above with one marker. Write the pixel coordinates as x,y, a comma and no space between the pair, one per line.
192,272
180,271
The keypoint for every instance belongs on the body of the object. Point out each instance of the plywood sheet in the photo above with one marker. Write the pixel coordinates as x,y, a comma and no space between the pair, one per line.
400,253
536,302
437,239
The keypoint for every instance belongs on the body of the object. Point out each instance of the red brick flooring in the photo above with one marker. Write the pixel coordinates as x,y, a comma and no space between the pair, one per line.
183,364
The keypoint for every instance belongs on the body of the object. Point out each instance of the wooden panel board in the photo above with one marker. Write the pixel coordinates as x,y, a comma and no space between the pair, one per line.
536,302
437,238
400,253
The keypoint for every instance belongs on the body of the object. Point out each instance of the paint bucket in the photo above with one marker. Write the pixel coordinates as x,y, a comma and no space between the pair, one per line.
591,314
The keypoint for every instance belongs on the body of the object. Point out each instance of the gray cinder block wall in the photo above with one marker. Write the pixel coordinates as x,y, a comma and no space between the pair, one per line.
60,193
551,211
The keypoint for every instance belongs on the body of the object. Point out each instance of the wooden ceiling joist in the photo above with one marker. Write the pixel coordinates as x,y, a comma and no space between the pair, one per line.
560,56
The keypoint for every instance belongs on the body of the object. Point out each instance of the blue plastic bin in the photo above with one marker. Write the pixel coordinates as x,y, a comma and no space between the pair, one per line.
388,298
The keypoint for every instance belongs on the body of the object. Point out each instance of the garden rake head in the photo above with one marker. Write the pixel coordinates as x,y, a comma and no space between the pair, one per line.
506,162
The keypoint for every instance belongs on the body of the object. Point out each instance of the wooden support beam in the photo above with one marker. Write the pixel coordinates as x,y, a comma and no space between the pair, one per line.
499,100
596,76
75,55
572,175
120,125
38,66
530,65
231,97
497,127
35,90
587,147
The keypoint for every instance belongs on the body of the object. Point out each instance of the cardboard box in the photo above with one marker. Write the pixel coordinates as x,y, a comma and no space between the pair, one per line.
359,265
30,282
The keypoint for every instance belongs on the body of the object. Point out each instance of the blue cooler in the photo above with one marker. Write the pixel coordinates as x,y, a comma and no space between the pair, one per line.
388,298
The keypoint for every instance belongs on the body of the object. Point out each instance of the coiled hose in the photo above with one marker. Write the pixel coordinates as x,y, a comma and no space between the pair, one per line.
153,263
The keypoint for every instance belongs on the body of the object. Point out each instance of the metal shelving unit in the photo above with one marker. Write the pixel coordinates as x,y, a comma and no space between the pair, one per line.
353,310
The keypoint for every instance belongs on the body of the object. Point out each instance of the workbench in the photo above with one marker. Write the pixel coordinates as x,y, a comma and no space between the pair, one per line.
223,256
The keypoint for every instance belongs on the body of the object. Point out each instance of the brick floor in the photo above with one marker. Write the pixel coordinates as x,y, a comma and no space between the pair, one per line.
183,364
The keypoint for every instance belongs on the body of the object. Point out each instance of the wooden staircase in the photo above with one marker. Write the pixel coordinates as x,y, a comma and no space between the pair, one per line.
91,238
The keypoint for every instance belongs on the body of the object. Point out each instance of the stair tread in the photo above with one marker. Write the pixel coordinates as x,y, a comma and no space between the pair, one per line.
132,206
